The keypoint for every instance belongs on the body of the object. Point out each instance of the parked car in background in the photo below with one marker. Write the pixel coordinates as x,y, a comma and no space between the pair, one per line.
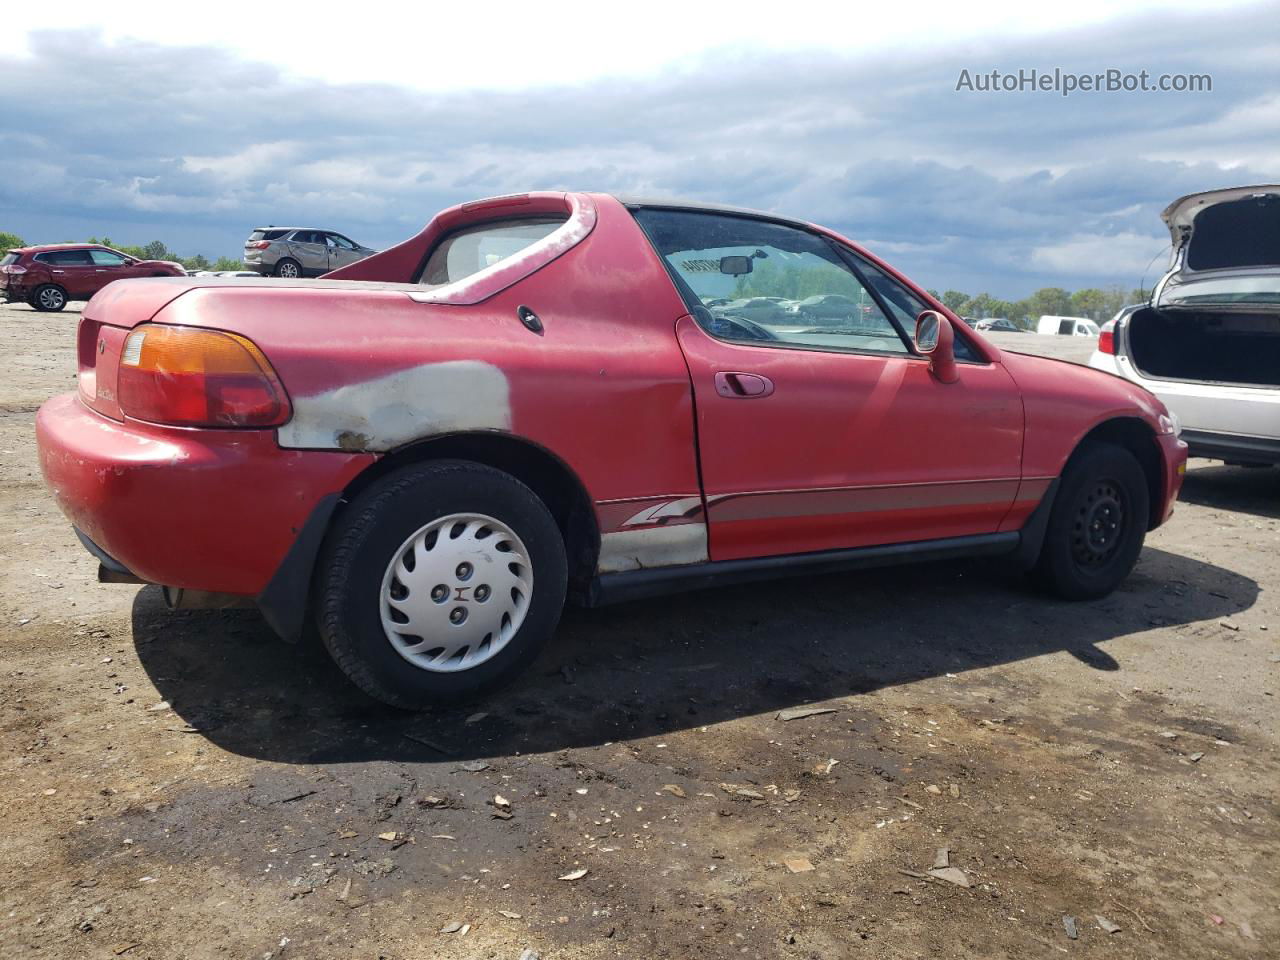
759,309
833,306
1208,342
537,403
49,276
999,325
1067,326
300,251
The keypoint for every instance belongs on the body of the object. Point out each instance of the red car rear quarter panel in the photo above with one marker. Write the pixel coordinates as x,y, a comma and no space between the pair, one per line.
205,509
603,387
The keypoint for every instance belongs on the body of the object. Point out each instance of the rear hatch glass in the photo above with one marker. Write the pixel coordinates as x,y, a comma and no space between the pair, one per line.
266,235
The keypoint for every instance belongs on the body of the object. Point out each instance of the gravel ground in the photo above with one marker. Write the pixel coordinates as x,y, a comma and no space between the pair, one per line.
186,786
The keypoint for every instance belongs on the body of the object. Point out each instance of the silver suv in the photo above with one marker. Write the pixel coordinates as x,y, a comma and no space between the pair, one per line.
299,251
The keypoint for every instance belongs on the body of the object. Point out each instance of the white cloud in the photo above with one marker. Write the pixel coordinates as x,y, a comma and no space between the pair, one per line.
512,44
1125,255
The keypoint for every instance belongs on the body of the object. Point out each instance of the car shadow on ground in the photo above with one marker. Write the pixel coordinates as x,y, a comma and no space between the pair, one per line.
1253,490
652,667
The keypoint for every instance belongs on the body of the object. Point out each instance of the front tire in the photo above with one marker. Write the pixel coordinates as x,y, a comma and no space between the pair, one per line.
440,581
49,298
1097,525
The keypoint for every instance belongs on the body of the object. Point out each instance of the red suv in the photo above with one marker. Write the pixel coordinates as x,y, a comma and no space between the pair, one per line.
48,276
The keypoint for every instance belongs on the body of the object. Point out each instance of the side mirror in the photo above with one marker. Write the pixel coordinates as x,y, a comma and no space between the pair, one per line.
735,266
936,340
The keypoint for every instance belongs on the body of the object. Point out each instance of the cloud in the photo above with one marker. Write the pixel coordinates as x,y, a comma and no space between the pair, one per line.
1002,192
1090,254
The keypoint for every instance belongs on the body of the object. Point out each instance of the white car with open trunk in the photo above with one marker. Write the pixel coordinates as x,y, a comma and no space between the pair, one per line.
1208,342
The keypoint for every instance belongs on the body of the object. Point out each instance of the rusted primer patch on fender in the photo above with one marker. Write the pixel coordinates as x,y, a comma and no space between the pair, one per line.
388,412
654,547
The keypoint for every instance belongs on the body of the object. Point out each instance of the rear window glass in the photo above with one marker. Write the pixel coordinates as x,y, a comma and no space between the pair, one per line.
475,248
267,234
65,257
8,258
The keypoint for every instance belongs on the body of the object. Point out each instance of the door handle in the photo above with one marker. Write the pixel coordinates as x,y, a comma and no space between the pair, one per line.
743,385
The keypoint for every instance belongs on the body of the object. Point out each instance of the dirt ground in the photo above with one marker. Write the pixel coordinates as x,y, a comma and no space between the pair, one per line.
183,785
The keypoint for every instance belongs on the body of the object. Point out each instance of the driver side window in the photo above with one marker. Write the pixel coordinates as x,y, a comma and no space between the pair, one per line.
752,281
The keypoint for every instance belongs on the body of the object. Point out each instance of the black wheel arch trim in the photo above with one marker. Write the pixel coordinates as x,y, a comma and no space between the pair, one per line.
284,600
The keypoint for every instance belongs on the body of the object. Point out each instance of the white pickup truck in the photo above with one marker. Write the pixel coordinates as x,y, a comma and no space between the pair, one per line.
1208,342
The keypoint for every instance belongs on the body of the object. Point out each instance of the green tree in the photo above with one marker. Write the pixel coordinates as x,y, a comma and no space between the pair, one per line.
226,263
953,299
1090,302
983,305
10,241
155,250
1049,300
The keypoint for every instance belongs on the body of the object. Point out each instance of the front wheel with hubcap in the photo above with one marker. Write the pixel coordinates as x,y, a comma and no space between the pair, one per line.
439,581
49,298
1097,525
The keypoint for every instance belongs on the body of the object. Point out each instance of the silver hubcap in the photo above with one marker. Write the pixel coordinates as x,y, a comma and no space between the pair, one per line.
288,270
50,298
456,592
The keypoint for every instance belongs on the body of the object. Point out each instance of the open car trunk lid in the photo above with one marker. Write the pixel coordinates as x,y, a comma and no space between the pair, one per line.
1226,248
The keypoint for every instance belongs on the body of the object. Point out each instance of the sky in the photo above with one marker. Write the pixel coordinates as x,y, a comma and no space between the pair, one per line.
148,121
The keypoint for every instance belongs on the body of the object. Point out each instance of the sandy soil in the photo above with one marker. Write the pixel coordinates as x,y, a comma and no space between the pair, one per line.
186,786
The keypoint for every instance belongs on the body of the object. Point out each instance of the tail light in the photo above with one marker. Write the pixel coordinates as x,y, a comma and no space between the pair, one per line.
1107,338
13,268
189,377
258,245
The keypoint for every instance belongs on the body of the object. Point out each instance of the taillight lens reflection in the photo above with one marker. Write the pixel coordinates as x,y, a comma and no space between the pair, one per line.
185,376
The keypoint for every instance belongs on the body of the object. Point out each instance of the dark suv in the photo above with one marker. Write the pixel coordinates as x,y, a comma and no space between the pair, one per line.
48,276
300,251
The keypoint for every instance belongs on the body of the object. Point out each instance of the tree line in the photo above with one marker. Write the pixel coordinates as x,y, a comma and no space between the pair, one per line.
1097,304
155,250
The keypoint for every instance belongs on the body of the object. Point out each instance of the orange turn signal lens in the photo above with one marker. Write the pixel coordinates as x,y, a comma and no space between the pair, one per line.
191,377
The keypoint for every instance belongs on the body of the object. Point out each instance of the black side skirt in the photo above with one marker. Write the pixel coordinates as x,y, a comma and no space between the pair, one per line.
1023,546
638,584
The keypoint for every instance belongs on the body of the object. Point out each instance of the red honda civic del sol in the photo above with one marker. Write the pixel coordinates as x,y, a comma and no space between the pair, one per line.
575,396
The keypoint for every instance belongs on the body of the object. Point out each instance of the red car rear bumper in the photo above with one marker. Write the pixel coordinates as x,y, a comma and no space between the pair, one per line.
222,521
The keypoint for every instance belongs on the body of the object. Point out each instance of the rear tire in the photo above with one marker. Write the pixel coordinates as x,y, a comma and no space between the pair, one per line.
49,298
288,268
396,592
1097,525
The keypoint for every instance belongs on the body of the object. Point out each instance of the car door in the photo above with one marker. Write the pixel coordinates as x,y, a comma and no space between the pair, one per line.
72,270
109,265
342,251
308,247
819,433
